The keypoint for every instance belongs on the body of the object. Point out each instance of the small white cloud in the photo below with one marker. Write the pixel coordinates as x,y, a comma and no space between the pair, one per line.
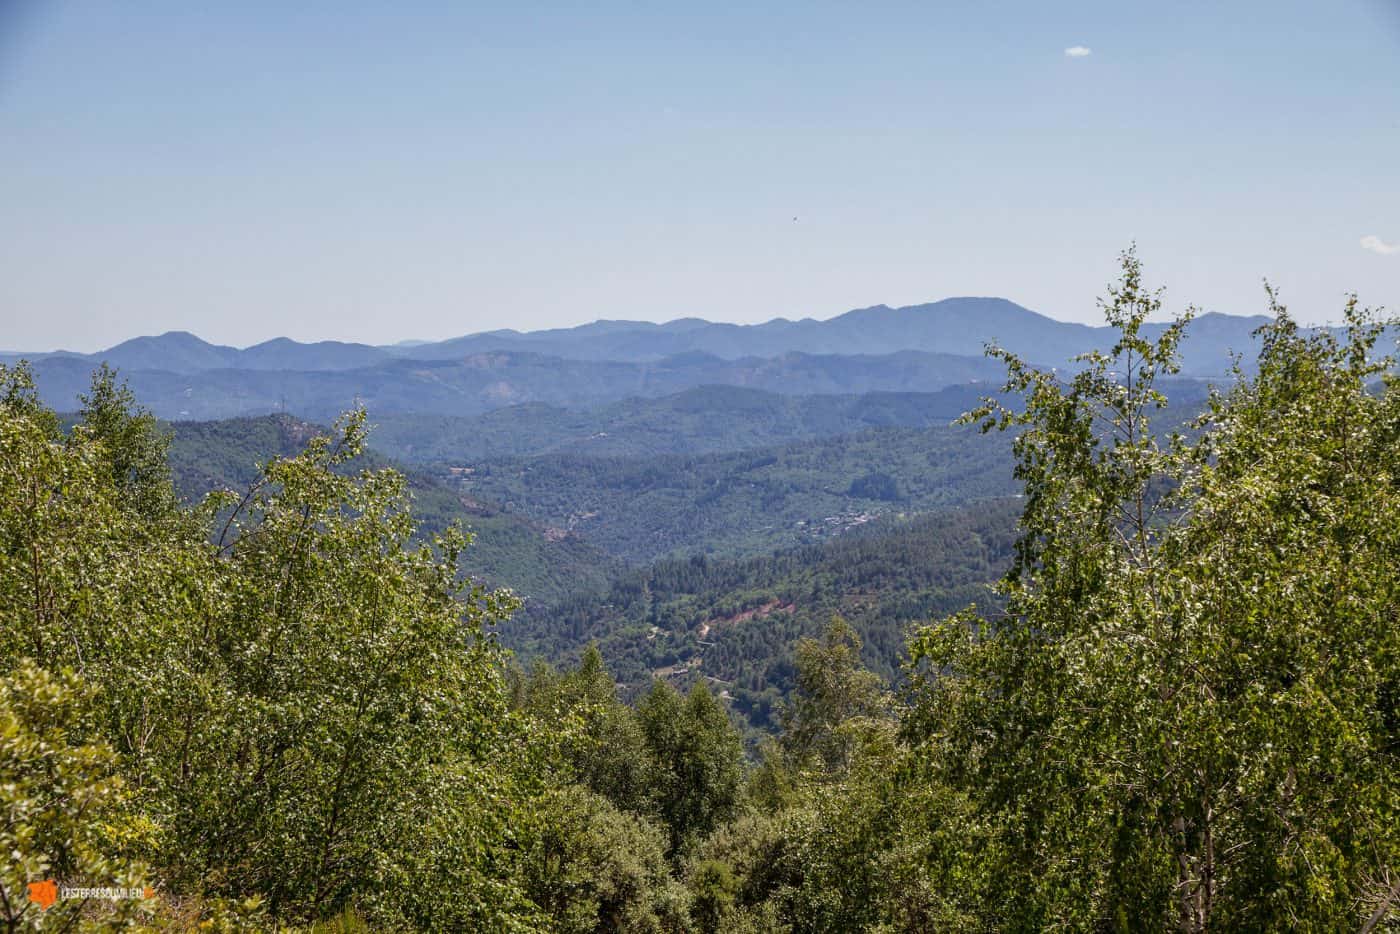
1078,51
1377,245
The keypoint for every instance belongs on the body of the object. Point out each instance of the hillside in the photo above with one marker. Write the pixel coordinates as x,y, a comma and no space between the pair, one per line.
538,563
735,622
745,502
703,420
954,325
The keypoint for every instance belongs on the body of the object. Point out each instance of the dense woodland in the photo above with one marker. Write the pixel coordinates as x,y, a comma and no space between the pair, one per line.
702,420
734,623
747,502
284,706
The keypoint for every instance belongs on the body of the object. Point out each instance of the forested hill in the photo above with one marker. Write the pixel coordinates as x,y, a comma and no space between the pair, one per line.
735,623
552,524
509,550
731,620
748,502
702,420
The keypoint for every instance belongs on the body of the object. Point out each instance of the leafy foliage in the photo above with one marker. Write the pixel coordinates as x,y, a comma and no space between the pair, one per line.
304,705
832,698
63,806
596,868
696,760
1187,714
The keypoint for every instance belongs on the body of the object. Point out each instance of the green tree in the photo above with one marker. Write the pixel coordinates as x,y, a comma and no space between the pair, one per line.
134,447
599,737
740,873
835,699
697,758
359,739
1187,715
594,868
63,812
305,705
89,582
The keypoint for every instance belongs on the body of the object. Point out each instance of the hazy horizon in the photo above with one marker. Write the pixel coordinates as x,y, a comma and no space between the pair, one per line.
410,341
337,171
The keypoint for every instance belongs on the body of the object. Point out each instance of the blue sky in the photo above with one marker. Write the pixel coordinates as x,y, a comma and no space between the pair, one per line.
386,171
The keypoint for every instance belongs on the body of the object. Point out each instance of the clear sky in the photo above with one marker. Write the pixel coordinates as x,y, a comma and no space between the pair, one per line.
385,171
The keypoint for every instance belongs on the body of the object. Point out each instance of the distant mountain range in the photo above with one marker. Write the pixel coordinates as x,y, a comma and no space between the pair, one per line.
183,352
919,348
961,326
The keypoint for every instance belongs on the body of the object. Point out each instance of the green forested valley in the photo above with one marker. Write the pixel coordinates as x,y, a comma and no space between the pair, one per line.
702,420
507,549
734,623
1073,665
747,502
